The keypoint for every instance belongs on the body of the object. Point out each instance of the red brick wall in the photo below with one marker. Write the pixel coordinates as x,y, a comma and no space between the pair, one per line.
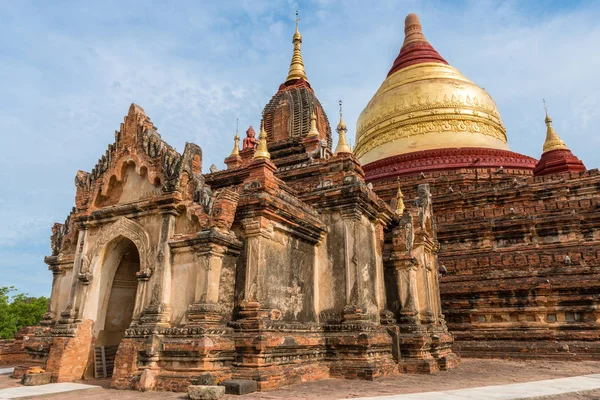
69,356
504,239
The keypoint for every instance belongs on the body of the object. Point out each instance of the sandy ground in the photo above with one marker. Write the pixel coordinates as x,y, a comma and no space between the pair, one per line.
470,373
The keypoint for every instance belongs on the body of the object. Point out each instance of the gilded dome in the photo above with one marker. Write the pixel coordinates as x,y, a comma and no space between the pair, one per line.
426,104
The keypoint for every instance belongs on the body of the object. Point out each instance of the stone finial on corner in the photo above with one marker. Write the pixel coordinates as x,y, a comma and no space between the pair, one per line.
342,146
399,200
235,160
262,152
313,126
236,143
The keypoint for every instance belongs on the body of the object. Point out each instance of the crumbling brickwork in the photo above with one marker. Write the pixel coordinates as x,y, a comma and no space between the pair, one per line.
15,351
530,253
521,254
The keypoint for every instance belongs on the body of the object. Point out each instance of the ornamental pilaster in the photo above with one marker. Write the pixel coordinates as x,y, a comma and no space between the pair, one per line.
256,231
158,311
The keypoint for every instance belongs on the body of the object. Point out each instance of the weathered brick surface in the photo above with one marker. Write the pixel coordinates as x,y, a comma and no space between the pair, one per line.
12,352
521,254
125,374
70,356
15,352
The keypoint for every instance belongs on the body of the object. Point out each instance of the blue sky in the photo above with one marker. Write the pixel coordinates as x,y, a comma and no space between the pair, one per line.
70,70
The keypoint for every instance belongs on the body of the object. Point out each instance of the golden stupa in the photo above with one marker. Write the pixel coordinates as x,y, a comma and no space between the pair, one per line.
426,104
553,141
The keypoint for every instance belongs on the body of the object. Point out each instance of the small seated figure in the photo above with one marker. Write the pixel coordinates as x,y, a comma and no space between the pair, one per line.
250,141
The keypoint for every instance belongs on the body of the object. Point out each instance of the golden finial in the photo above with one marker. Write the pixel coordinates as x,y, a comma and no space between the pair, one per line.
297,65
548,119
313,125
261,150
553,141
297,33
399,201
236,140
341,124
342,146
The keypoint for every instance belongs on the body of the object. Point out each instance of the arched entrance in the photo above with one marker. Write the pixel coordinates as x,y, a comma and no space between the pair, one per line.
119,304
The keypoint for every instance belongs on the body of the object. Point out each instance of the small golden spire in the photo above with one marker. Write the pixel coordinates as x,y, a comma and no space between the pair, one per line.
297,65
261,150
236,140
342,146
313,125
399,201
553,141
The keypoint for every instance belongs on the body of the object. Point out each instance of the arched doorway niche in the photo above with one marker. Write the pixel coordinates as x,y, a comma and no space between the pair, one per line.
115,301
118,292
122,237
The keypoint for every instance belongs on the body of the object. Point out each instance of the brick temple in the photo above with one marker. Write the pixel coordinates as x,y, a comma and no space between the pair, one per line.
300,261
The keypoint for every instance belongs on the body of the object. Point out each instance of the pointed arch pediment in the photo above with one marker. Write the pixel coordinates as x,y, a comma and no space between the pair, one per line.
124,227
130,183
138,143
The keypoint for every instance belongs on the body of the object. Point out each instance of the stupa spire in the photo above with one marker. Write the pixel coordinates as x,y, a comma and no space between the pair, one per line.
413,32
313,125
553,141
262,151
236,141
556,157
342,146
297,65
399,200
415,49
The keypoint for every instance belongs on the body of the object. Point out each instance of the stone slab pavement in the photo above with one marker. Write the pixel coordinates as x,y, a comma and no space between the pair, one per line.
529,390
36,391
